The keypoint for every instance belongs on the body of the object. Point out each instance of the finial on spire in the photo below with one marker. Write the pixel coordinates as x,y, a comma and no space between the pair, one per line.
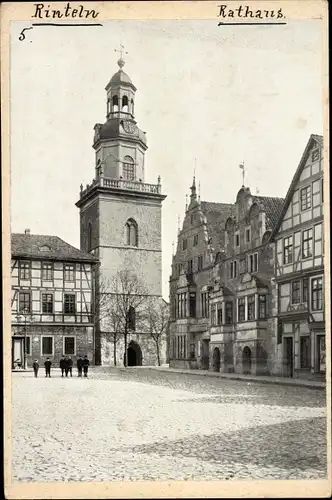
121,61
257,190
172,247
199,191
186,202
178,224
242,168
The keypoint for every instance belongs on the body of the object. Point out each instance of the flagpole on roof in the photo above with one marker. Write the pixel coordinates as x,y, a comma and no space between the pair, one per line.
242,168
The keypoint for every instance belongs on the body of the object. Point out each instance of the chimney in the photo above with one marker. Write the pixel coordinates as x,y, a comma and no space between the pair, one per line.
27,231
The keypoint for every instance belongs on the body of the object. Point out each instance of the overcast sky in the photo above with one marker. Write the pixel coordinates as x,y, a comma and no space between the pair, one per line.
222,95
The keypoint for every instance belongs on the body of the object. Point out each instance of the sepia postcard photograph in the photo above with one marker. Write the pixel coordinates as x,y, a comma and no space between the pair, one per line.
166,249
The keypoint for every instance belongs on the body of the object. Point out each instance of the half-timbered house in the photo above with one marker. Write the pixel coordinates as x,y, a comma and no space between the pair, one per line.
52,299
299,270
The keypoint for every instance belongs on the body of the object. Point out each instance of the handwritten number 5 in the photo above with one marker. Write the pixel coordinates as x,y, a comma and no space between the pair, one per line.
22,36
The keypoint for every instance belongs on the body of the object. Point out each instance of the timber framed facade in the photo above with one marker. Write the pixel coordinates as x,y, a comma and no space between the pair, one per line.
247,284
52,300
299,270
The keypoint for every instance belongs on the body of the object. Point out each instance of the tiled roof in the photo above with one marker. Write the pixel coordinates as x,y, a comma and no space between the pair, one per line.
47,247
272,208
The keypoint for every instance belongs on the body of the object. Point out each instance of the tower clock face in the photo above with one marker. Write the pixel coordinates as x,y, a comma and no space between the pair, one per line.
129,126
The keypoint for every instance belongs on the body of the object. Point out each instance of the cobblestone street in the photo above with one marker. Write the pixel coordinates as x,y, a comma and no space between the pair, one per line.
142,424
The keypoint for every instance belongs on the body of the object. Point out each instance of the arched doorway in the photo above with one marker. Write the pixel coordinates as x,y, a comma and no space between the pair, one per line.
134,355
246,360
216,360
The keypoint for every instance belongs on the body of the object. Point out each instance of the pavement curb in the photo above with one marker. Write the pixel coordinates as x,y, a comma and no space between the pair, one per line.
291,383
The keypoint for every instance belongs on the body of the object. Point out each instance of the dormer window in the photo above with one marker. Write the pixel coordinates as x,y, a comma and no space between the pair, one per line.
184,244
195,240
248,234
237,239
45,248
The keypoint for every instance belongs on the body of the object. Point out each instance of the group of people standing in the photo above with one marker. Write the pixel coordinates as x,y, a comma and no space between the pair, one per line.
66,366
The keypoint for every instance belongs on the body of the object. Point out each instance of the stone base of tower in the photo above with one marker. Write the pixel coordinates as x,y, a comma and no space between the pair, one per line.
141,351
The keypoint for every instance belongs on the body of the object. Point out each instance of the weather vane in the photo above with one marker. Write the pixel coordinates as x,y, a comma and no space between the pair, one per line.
122,51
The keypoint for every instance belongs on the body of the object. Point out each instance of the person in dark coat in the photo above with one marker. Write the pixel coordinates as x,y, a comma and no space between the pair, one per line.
70,366
66,366
86,363
35,366
62,365
48,365
79,366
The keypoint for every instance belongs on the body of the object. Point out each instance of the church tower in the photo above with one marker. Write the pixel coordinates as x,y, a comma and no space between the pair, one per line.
120,214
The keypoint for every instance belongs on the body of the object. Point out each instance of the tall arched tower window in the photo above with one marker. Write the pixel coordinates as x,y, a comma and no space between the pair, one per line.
128,168
132,107
89,237
115,104
132,233
131,318
125,107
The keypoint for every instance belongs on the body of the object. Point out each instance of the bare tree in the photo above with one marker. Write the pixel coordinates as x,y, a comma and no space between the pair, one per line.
127,296
156,315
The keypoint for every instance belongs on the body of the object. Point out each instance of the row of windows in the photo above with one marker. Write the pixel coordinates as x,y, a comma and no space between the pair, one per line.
179,347
300,289
47,303
181,303
47,345
306,246
250,265
217,311
114,105
47,271
236,242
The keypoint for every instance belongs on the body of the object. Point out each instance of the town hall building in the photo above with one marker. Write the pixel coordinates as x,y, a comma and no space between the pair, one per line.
120,224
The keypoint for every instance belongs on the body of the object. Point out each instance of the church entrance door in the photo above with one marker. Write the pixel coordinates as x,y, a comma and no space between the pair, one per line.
134,354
